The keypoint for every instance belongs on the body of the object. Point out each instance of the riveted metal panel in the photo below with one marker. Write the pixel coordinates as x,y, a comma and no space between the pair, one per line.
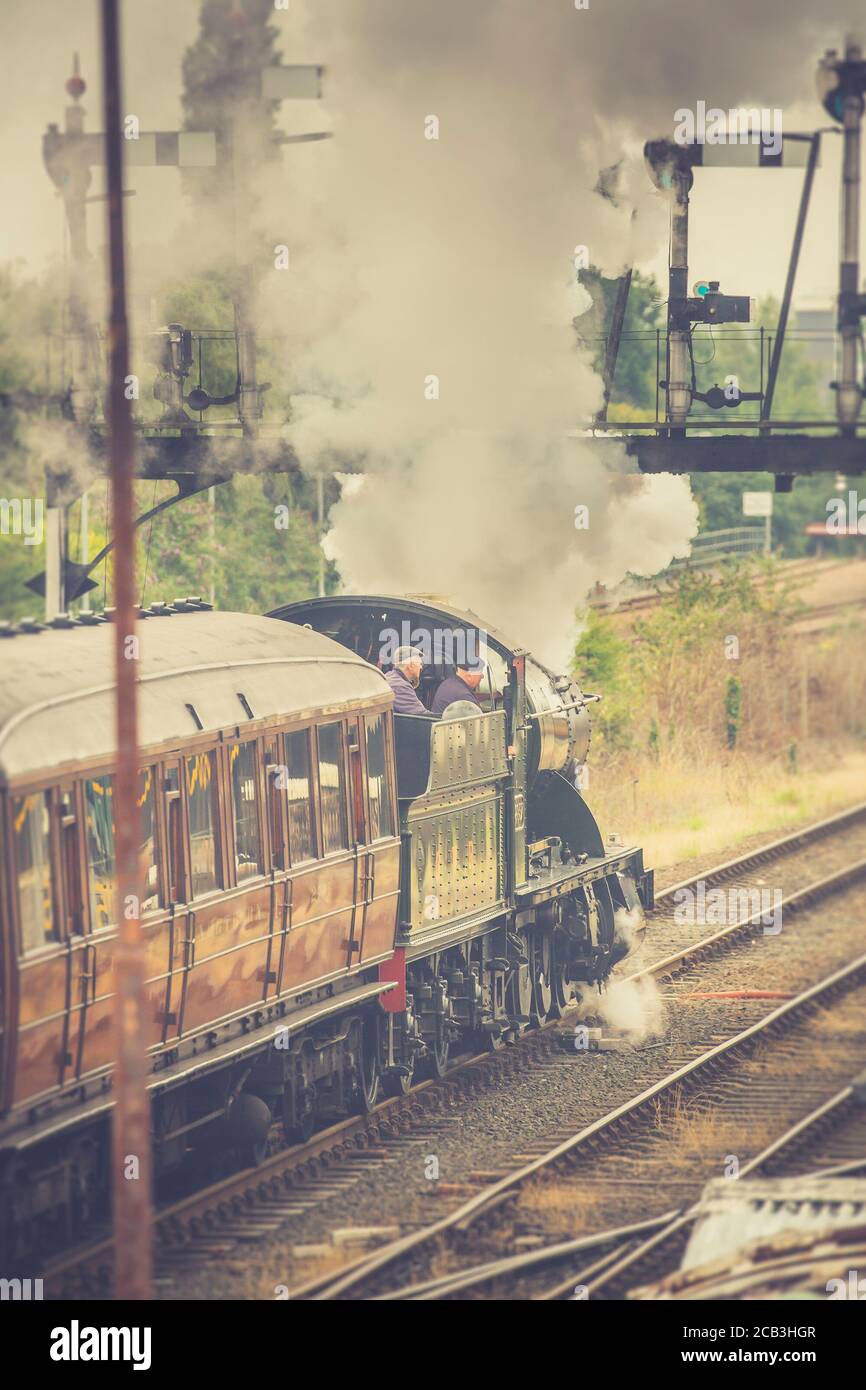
467,750
457,859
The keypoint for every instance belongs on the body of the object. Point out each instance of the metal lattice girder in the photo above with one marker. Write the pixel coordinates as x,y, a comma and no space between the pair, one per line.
292,82
786,454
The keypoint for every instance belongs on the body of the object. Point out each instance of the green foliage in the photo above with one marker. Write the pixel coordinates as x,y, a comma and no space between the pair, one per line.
221,74
235,548
634,382
670,673
720,502
602,665
733,707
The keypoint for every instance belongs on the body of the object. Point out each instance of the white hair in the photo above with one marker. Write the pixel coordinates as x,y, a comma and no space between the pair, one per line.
407,656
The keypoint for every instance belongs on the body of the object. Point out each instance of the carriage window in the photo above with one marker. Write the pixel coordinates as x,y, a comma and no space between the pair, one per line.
334,828
101,865
248,842
176,877
276,803
201,800
381,818
302,844
147,861
31,825
70,863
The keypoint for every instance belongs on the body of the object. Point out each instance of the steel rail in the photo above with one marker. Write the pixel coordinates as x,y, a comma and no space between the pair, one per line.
808,834
470,1210
335,1141
686,1215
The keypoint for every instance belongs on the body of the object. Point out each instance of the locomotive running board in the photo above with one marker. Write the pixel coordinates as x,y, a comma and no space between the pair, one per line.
202,1062
573,875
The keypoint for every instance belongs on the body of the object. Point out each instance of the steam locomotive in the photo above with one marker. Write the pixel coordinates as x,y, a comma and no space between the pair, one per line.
334,898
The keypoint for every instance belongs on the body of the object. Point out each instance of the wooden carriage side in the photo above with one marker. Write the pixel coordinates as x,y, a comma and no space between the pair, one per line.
270,860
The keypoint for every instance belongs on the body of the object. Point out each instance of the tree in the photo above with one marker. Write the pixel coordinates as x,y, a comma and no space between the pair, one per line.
27,315
734,350
720,500
221,90
720,353
635,379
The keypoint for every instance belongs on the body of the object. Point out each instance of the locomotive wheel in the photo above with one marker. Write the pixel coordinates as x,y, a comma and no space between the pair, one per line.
364,1044
519,998
541,957
398,1084
251,1155
563,989
434,1063
299,1112
249,1121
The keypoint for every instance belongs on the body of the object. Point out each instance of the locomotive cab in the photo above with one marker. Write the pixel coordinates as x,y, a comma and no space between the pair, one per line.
535,861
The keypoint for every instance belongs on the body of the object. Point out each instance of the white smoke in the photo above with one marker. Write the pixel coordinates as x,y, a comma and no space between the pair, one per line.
430,314
630,1007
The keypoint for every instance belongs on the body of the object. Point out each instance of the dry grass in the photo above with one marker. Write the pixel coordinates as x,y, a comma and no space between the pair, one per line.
837,1024
564,1208
680,810
260,1283
825,1051
697,1133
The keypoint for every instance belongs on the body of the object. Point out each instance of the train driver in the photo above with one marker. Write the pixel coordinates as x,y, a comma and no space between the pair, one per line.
461,686
403,679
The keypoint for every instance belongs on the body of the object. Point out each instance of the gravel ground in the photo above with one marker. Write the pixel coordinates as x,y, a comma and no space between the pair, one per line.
526,1112
784,875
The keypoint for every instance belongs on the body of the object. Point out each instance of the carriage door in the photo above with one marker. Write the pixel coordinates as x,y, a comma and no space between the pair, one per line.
177,897
82,956
363,859
277,819
44,964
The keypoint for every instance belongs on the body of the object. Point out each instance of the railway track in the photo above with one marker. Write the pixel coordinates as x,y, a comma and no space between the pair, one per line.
245,1207
827,1142
608,1262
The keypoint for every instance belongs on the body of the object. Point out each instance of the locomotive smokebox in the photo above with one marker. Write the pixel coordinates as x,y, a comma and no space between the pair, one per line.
558,719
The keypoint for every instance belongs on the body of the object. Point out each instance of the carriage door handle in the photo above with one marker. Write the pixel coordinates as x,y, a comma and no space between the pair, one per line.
88,974
189,943
368,879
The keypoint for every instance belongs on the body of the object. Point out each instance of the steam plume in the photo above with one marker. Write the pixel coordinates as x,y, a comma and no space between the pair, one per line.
455,262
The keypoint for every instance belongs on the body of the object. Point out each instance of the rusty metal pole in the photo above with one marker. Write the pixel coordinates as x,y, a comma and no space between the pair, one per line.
131,1159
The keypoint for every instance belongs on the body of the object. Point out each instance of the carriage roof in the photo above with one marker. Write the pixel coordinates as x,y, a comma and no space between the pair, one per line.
57,685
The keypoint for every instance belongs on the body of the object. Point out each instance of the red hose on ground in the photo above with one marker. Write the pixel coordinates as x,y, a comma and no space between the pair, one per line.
737,994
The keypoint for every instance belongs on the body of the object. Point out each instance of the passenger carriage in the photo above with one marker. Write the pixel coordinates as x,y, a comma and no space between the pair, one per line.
333,898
